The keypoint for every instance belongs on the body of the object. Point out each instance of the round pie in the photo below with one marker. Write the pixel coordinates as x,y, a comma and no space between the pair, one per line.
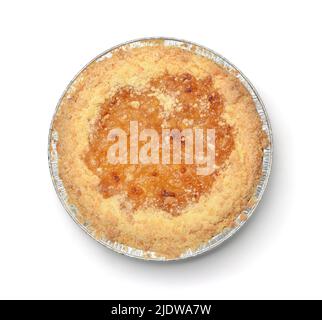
151,98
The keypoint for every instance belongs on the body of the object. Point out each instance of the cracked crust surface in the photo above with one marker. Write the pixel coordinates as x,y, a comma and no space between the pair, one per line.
156,228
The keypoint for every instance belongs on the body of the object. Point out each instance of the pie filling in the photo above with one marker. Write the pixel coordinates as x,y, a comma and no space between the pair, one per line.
170,101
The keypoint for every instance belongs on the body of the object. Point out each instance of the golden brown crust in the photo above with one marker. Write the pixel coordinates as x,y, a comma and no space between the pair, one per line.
151,228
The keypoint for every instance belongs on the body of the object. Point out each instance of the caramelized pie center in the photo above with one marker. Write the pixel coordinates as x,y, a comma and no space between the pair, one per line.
171,101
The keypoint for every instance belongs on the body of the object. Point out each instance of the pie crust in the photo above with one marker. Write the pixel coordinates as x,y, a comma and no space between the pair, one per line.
165,209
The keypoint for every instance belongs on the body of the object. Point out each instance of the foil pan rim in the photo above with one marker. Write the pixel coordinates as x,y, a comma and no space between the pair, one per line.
216,240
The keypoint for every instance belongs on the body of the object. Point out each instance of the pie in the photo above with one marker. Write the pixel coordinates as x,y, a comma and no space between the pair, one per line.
164,208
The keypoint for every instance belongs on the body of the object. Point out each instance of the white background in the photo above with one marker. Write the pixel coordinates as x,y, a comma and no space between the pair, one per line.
44,254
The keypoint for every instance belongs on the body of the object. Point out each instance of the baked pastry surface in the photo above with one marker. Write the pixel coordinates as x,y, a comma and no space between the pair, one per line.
162,208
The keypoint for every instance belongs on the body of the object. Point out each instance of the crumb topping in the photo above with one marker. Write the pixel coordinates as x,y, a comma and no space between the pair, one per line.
166,210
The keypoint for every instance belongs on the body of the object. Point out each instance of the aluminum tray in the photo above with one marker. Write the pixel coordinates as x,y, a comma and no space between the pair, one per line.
266,168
